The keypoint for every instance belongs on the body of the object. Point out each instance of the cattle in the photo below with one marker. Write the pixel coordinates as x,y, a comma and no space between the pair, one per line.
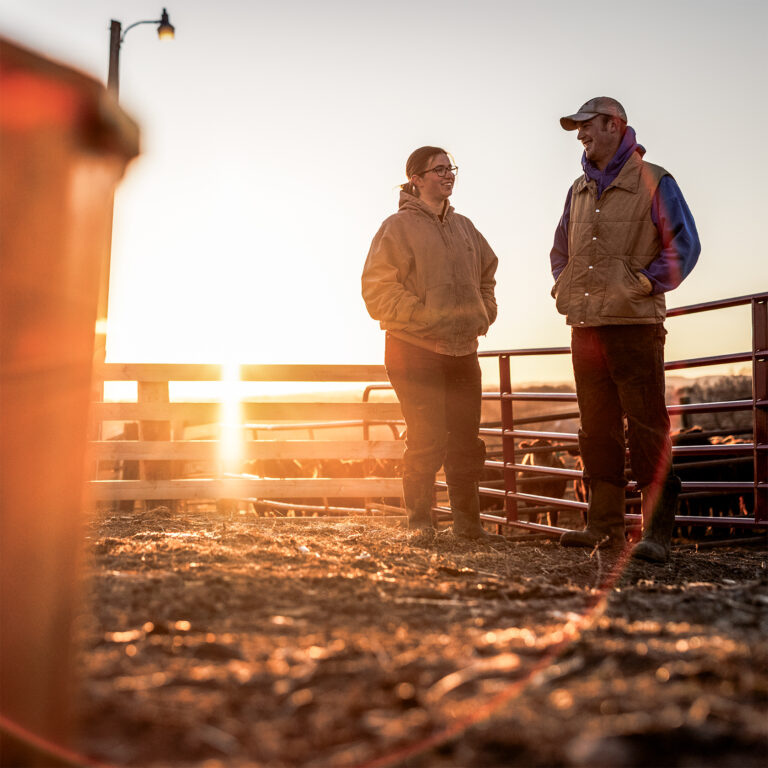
334,468
538,453
540,484
276,468
691,436
712,469
722,469
580,485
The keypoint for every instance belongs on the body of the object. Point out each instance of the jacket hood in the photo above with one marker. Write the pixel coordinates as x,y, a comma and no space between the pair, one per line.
409,202
605,177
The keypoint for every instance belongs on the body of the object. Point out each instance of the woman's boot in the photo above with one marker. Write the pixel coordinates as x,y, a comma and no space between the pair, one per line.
605,519
419,496
465,506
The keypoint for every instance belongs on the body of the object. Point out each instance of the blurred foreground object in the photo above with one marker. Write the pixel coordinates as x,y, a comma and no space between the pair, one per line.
64,145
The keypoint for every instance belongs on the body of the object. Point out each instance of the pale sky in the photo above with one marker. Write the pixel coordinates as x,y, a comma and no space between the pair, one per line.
275,134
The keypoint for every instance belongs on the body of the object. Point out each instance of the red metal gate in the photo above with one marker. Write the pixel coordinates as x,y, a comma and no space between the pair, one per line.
510,430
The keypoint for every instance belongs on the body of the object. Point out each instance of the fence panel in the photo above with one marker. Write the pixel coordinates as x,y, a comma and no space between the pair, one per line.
162,478
755,490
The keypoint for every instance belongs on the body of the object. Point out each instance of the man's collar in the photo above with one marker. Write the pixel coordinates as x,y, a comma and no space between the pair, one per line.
628,177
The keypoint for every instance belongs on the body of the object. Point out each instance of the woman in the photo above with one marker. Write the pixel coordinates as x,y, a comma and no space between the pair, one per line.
429,280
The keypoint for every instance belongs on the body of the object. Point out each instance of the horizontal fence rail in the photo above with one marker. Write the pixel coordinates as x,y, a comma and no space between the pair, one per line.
245,488
161,373
211,412
170,451
209,450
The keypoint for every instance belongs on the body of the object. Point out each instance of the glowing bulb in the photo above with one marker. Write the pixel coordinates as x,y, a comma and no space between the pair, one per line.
165,31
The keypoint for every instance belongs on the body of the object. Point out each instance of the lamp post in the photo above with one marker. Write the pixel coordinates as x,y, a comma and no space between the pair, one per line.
153,431
165,31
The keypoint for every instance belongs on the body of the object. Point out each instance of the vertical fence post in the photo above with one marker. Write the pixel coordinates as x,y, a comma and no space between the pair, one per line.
155,392
507,441
759,407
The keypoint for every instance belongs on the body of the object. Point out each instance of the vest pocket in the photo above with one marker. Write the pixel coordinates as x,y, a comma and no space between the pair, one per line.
625,298
561,290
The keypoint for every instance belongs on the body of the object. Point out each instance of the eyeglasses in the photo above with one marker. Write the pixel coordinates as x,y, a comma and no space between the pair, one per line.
441,170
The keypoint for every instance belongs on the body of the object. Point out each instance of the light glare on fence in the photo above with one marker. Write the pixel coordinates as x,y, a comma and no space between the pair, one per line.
231,445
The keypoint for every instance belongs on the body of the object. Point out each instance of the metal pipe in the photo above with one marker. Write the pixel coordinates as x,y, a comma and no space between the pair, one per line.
115,39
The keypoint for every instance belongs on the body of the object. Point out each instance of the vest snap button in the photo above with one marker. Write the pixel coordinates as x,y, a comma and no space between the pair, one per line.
586,294
591,266
594,238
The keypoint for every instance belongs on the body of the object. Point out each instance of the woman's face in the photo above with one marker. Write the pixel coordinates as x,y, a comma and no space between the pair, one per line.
433,188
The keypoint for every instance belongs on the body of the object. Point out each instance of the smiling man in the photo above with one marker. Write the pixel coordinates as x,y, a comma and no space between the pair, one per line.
625,238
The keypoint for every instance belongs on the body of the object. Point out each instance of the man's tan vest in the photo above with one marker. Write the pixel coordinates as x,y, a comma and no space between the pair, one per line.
609,240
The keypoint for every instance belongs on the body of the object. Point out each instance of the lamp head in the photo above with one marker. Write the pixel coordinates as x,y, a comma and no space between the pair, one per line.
165,31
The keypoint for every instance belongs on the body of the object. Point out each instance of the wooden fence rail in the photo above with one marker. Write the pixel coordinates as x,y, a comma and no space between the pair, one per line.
209,450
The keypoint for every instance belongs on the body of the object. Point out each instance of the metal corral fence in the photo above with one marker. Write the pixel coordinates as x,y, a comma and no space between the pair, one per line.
151,457
753,514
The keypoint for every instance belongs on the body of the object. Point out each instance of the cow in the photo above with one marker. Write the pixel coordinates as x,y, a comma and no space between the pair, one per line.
333,468
715,469
738,469
580,485
691,436
540,484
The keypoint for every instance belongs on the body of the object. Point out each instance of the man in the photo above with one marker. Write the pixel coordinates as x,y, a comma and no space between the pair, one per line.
625,238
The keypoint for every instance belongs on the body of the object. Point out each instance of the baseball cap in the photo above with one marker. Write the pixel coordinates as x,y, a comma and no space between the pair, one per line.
600,105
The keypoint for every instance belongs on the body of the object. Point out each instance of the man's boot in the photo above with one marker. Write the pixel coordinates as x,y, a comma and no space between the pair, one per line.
658,510
465,507
419,496
605,519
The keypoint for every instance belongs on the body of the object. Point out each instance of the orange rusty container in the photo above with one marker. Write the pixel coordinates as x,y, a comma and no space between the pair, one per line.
64,145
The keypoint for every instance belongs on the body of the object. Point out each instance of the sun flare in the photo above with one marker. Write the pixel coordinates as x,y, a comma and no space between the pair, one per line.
231,443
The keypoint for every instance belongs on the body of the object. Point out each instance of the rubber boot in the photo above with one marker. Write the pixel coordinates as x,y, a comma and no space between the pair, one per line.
605,519
419,496
465,507
658,512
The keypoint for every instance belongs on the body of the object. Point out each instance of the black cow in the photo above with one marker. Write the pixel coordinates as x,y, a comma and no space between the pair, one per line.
712,469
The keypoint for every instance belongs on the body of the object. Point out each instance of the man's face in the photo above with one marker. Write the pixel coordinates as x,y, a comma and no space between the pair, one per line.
432,187
601,138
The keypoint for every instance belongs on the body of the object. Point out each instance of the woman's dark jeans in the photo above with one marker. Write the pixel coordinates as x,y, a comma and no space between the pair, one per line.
619,371
441,397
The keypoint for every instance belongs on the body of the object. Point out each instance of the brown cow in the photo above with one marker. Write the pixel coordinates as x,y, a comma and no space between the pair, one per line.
538,484
334,468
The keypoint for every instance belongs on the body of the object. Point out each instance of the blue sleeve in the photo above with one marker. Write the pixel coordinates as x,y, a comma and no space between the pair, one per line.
680,245
558,256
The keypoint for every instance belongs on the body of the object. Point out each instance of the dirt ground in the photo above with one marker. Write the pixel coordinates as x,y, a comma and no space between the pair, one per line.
225,641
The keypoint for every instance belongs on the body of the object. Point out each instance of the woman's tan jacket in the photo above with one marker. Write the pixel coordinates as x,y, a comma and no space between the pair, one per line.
429,280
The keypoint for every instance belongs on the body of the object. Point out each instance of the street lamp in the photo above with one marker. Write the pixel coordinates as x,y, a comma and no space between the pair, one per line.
165,31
